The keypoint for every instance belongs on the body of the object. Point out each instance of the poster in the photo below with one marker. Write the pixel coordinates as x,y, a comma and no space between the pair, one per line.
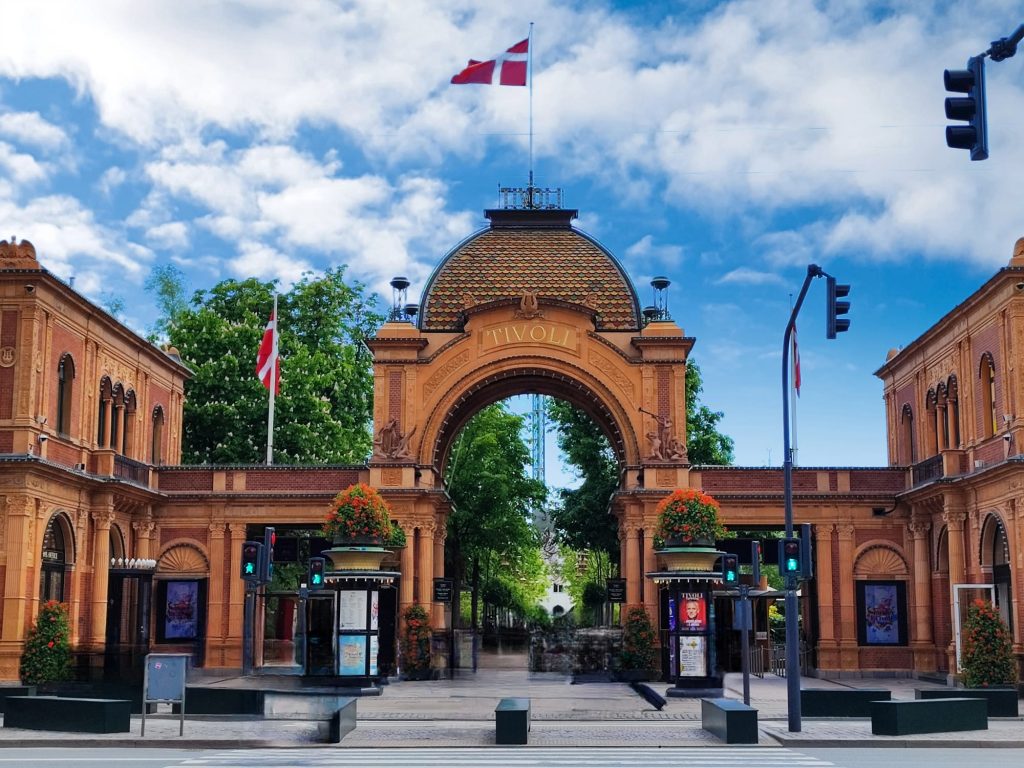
374,610
352,609
352,654
881,614
692,659
182,615
693,613
374,649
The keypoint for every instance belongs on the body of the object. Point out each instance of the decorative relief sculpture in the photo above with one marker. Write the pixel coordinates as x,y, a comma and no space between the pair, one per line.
529,307
662,444
391,443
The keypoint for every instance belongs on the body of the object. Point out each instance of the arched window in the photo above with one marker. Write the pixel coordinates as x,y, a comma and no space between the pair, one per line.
987,374
931,424
65,386
953,407
128,432
907,453
58,557
158,436
103,428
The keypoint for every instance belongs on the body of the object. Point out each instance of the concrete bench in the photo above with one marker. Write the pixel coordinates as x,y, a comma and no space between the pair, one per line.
55,713
342,722
899,718
840,702
14,690
732,721
1002,702
202,700
512,721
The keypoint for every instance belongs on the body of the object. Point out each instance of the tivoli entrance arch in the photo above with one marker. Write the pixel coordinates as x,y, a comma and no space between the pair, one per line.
527,305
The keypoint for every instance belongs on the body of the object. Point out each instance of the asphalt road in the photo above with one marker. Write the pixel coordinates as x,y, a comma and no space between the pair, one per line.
514,757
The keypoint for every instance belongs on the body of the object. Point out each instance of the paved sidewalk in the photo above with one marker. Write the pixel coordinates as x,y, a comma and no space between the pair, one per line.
460,712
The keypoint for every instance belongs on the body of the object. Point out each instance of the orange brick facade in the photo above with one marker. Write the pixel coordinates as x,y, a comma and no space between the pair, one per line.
939,514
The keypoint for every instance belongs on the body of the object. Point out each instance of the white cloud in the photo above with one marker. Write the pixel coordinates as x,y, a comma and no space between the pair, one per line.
31,128
748,276
644,250
22,168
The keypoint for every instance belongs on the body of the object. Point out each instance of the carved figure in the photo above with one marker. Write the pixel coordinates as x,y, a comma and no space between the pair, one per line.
390,442
676,450
655,447
529,306
468,301
402,450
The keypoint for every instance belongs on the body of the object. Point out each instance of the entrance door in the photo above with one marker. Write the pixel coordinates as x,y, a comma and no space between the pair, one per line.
320,635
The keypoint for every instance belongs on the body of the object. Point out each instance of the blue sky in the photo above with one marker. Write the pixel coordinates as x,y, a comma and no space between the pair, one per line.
724,145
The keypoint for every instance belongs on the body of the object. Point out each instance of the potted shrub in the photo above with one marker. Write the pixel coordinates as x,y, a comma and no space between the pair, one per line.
359,515
414,644
47,654
986,657
637,661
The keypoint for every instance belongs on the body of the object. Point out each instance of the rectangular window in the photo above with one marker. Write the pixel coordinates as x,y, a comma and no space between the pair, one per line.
881,613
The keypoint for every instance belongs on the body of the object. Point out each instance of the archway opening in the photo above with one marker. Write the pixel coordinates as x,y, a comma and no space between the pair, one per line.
58,558
995,554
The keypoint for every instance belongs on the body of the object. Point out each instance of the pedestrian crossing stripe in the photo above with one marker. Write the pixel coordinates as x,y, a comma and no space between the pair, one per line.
511,757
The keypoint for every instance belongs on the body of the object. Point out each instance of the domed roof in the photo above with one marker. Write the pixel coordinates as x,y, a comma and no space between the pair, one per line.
529,250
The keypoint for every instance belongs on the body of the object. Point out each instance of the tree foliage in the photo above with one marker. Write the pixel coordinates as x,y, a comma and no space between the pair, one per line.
323,411
489,531
46,657
987,655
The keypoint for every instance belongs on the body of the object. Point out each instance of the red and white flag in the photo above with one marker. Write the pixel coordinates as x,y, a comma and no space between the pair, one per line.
796,364
508,68
267,361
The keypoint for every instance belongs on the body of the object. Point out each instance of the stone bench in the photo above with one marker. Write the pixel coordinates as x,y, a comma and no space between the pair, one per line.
342,722
1002,702
14,690
840,702
732,721
512,721
55,713
900,718
203,700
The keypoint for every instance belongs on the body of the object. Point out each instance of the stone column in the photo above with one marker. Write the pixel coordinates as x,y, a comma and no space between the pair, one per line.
954,518
236,590
406,596
144,536
215,601
648,588
849,654
630,535
438,620
18,510
108,414
103,518
425,563
922,644
828,648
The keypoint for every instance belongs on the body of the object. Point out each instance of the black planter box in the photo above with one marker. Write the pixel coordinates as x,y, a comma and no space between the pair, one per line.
899,718
842,702
14,690
732,721
53,713
512,721
221,701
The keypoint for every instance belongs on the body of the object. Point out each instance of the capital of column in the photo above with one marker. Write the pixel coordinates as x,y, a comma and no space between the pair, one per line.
20,506
103,518
144,528
217,530
919,528
237,530
629,531
846,530
954,518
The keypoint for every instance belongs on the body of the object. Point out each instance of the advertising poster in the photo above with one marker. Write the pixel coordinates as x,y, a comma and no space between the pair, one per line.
881,614
692,659
374,648
182,615
374,610
352,609
693,613
351,654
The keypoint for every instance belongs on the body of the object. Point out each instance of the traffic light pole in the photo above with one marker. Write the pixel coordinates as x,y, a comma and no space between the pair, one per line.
792,609
247,628
745,640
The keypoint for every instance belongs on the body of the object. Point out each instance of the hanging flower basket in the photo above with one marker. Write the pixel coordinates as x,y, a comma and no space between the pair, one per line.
359,525
688,527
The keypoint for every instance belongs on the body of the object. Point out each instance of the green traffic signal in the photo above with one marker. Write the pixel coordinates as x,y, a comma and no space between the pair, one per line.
317,579
250,568
792,565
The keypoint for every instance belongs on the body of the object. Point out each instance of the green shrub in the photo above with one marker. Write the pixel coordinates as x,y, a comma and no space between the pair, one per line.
47,654
638,640
414,644
986,657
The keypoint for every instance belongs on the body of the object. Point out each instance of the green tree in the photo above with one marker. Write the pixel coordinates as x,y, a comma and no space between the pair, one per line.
490,537
46,657
323,411
167,283
987,654
704,443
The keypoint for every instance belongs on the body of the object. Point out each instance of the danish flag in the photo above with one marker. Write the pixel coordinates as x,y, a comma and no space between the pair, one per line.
267,360
508,68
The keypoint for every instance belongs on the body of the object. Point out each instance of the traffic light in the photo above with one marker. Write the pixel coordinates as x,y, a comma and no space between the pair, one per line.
789,557
974,135
251,551
269,539
833,308
730,570
316,573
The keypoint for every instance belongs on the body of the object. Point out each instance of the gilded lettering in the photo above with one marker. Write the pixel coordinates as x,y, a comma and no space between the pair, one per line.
533,333
518,331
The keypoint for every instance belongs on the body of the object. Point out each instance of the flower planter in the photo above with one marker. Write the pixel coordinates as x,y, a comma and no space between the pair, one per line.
694,559
353,557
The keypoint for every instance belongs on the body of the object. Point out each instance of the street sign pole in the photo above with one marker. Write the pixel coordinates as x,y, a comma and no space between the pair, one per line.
247,628
745,621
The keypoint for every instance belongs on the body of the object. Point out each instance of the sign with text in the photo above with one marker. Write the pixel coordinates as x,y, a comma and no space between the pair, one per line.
443,589
616,590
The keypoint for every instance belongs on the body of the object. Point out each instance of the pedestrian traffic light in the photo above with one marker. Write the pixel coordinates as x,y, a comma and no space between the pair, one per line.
789,557
251,560
974,135
316,573
269,539
730,570
833,308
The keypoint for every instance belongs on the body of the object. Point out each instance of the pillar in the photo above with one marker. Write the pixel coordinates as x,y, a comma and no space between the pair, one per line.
630,537
828,647
848,651
103,518
144,536
922,644
19,510
236,590
438,619
648,588
425,566
216,596
954,518
406,565
108,414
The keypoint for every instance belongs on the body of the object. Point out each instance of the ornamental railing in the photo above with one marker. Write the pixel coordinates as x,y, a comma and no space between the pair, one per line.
131,470
927,470
529,198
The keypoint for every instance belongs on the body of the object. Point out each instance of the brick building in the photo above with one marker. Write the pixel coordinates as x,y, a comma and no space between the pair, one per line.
98,513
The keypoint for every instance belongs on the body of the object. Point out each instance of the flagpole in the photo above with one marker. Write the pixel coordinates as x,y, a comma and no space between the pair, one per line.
529,66
273,386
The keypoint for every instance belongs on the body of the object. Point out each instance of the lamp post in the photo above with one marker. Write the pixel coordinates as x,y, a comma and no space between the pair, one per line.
792,609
